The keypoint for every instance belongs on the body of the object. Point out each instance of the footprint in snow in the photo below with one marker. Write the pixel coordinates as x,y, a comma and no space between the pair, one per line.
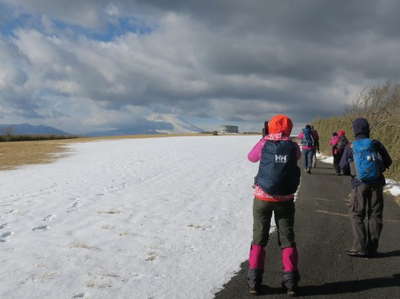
74,206
49,217
3,225
80,295
41,228
4,236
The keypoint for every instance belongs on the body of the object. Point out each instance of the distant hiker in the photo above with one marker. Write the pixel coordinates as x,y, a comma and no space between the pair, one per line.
343,142
338,142
307,146
275,185
368,159
335,152
316,149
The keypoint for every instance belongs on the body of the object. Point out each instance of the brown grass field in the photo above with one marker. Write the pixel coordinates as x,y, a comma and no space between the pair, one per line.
18,153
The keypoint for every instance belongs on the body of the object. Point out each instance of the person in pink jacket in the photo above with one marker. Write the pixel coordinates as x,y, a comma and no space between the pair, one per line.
276,182
333,142
338,142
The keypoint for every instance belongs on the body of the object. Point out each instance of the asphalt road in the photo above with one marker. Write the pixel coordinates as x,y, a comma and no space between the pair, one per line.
323,233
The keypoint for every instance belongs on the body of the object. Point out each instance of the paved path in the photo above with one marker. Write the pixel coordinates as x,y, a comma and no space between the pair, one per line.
323,232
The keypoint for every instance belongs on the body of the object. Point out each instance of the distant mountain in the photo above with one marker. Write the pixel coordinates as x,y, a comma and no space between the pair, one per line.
27,129
178,125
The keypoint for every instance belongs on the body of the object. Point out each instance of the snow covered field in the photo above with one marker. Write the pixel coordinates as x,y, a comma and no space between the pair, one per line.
133,218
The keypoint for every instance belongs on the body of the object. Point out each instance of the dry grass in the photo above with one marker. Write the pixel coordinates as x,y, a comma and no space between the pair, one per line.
14,154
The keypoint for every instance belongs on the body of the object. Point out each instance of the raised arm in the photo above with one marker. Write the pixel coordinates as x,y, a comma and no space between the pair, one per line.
255,154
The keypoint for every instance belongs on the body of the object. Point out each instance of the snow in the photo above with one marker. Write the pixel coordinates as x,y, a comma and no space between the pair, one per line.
130,218
393,187
325,159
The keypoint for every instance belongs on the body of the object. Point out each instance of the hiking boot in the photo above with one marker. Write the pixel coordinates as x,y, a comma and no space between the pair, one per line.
255,290
356,253
292,292
289,282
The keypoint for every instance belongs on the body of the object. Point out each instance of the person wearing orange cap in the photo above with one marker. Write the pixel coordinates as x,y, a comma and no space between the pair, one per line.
276,183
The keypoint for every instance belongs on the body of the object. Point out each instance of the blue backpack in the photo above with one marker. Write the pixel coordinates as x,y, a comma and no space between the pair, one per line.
308,139
367,161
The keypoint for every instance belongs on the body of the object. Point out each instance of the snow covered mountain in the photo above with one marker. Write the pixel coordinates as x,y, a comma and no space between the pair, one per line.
178,124
154,124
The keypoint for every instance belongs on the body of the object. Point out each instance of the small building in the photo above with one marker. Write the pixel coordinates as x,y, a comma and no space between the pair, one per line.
228,129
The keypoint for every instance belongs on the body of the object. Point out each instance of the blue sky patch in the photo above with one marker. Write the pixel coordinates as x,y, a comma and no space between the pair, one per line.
10,21
111,31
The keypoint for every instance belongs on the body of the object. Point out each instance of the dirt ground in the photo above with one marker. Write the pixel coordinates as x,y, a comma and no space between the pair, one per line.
18,153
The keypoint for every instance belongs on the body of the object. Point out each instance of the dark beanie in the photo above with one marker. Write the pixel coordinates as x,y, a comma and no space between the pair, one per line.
361,127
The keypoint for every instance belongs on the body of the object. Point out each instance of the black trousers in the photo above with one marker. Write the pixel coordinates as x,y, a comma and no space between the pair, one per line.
336,161
366,210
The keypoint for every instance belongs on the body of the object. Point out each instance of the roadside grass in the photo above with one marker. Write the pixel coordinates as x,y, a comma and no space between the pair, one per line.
18,153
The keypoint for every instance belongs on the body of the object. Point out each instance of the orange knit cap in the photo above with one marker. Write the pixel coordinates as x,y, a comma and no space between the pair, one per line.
280,124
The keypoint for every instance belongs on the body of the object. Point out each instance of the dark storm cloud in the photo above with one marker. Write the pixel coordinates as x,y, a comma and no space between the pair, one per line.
231,59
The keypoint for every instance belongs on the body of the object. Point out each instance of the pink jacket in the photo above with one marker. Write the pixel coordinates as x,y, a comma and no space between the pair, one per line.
334,140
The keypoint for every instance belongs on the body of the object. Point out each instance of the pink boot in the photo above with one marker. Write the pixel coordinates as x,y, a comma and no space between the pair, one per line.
256,267
290,276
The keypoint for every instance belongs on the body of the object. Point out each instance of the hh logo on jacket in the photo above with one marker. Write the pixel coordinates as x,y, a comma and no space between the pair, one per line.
280,158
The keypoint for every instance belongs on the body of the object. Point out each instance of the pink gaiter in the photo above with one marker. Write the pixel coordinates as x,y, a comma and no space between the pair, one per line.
289,259
256,257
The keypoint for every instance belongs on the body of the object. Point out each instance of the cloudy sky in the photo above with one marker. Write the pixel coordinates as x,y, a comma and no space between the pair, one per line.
90,65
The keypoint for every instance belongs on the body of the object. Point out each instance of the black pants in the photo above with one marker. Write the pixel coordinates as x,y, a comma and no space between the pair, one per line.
336,161
366,210
284,218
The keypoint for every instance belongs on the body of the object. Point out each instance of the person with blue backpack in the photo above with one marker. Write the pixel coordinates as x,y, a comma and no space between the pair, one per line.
276,183
367,159
307,141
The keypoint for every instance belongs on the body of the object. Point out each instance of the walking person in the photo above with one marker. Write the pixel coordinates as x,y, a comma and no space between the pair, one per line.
341,145
333,142
275,185
368,159
316,148
307,146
